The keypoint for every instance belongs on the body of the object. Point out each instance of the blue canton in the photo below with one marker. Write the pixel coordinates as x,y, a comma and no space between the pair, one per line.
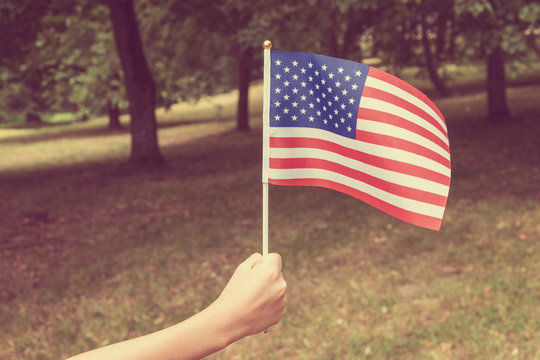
315,91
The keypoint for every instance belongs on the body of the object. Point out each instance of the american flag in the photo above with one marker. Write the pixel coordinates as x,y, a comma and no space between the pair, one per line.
353,128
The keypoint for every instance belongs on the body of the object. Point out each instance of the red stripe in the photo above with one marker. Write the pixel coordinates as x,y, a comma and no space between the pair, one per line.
396,100
384,76
387,118
380,162
390,187
397,143
428,222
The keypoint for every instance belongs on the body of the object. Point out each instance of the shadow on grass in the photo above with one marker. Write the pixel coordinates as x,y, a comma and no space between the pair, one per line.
89,132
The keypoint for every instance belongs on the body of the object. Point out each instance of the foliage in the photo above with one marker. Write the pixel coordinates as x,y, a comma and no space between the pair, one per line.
489,24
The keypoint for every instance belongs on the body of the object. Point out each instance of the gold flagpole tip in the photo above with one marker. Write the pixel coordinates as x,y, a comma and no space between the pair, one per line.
267,44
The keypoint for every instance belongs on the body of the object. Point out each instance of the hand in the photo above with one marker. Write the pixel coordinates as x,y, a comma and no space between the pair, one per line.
254,298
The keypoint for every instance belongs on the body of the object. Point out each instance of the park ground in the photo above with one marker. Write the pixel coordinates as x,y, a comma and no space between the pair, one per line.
93,252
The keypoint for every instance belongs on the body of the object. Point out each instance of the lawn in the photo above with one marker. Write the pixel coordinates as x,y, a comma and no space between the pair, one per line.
92,252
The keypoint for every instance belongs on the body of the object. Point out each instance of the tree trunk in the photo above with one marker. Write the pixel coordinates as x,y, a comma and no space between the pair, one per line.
430,63
244,78
140,87
114,116
496,87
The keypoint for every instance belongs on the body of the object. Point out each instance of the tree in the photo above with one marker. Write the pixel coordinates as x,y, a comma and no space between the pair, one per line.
140,87
496,31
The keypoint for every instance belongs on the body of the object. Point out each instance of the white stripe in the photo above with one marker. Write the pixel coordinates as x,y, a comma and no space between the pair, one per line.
401,133
380,105
383,174
405,95
372,149
404,203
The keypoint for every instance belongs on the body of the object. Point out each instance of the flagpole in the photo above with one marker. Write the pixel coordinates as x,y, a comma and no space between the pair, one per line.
267,45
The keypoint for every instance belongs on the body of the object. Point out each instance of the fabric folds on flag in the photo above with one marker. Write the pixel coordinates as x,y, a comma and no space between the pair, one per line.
350,127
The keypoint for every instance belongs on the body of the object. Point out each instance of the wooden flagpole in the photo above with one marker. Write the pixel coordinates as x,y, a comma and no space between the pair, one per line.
267,45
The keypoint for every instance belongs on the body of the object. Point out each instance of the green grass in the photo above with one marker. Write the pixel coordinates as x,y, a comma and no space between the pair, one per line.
91,254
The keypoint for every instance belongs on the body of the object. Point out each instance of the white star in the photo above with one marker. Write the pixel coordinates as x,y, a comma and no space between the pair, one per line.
330,116
342,120
286,69
294,118
310,65
318,112
336,98
286,97
286,83
336,111
323,81
329,89
354,86
295,91
316,73
340,70
303,97
276,117
329,103
358,73
311,118
303,111
351,101
310,78
344,92
349,115
278,62
324,67
311,92
278,76
278,90
311,105
343,106
303,83
317,86
318,100
336,124
285,111
323,95
277,103
295,63
347,78
348,128
331,76
338,84
324,108
325,121
295,104
303,70
295,77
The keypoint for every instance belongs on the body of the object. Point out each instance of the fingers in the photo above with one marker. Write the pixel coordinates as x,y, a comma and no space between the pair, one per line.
252,261
273,259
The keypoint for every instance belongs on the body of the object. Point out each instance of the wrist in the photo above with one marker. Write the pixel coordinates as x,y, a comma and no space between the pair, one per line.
226,327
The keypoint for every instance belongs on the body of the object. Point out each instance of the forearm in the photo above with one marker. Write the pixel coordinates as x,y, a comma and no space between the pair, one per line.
253,300
194,338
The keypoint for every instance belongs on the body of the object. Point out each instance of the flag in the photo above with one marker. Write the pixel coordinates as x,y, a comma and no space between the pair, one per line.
350,127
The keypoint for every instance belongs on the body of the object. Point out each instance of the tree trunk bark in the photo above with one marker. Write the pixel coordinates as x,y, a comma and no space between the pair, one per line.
114,116
140,87
430,63
244,78
496,87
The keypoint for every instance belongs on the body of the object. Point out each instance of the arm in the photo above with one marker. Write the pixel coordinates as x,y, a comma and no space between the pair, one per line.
252,301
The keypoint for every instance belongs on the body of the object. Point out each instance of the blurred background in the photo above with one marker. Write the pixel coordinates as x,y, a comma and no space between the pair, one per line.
130,137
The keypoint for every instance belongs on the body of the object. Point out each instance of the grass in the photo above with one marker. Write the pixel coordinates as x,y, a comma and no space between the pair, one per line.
91,254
